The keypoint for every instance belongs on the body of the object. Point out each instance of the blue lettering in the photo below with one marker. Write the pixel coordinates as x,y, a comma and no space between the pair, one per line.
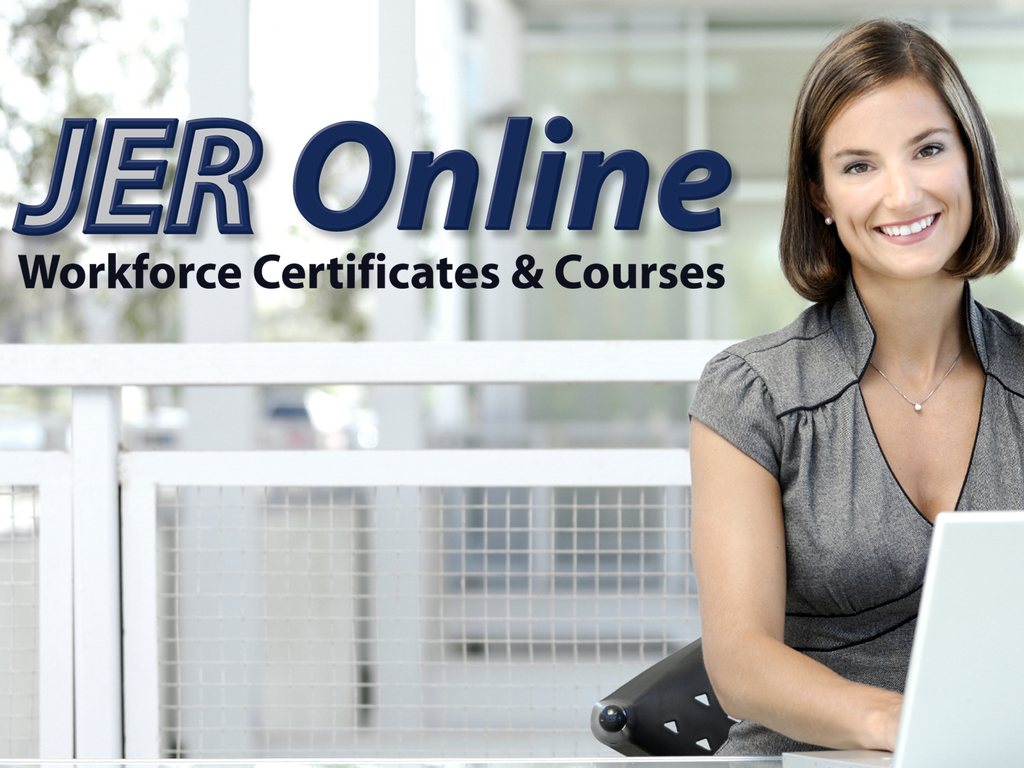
197,175
379,181
117,171
675,189
66,183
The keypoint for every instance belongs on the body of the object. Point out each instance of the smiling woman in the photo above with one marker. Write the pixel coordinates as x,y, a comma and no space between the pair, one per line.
817,477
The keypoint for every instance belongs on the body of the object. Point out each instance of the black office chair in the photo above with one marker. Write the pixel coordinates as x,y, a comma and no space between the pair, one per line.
667,710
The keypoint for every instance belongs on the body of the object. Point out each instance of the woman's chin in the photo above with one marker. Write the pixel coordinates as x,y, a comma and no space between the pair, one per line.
923,273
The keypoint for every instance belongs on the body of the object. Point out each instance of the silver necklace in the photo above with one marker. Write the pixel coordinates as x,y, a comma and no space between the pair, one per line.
917,405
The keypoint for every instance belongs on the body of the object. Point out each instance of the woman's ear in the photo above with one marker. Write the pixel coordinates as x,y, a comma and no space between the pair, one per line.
818,199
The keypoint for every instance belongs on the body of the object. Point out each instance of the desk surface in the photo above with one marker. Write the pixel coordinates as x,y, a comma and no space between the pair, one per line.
688,762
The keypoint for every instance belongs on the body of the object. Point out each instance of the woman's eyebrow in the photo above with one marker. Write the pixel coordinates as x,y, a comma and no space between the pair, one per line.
852,153
925,134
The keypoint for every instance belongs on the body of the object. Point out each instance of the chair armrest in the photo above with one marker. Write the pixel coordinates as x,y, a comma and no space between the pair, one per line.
667,710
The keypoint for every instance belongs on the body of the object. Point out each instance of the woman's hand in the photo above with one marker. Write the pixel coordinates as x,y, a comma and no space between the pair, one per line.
891,723
739,553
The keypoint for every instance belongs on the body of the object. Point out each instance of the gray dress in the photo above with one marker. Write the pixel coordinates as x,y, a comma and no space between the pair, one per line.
856,545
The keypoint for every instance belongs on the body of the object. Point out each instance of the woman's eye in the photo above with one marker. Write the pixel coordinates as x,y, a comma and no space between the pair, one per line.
856,168
931,149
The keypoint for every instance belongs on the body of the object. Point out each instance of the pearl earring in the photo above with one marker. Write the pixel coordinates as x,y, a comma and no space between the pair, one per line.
828,220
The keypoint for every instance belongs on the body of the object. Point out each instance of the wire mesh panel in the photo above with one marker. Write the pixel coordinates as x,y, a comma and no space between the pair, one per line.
19,631
411,622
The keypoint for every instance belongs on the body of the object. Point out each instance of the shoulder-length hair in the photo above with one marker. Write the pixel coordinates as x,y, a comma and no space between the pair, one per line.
860,60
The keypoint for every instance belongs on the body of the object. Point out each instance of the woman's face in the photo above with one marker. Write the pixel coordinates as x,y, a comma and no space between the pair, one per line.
895,182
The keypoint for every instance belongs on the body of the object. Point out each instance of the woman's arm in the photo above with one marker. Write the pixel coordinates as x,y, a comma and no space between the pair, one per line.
739,552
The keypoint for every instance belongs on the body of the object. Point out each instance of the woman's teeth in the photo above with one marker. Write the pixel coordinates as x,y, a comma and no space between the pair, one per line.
909,229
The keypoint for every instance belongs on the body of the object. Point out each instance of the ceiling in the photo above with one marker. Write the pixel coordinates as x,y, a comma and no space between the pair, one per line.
814,11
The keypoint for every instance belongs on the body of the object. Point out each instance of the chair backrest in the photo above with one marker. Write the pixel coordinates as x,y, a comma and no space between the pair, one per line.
667,710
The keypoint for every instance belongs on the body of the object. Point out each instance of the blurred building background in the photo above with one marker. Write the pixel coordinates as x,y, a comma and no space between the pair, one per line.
662,77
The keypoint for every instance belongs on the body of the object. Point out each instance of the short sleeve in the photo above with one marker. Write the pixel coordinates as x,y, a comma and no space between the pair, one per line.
734,401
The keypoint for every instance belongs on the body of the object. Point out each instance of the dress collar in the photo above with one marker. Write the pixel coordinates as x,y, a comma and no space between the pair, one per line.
856,334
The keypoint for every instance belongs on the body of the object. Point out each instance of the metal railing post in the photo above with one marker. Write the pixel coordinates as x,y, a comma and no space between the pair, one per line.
95,438
56,605
140,595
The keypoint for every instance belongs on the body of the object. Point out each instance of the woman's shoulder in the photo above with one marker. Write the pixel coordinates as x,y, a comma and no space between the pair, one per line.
804,333
1002,327
799,365
1003,350
747,389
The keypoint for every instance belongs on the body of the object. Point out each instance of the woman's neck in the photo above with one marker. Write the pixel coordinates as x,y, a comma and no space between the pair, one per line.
919,325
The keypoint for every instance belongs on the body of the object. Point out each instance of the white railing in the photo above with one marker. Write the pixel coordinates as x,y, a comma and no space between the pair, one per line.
50,472
106,572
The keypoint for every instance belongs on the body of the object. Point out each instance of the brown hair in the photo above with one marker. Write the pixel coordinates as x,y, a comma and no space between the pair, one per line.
862,59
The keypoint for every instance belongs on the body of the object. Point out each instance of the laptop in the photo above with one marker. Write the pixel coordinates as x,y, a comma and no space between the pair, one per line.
964,699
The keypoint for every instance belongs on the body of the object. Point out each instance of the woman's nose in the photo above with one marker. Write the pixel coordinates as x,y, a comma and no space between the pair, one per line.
904,191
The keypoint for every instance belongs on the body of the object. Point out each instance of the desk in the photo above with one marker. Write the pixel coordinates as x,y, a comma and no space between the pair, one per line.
612,762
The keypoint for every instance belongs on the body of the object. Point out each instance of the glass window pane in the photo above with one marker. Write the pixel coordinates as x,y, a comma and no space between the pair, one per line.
995,75
756,298
751,94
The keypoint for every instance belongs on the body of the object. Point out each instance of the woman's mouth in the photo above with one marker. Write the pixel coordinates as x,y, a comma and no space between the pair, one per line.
905,230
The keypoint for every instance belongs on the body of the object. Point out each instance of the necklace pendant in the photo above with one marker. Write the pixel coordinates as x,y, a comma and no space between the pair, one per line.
917,406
